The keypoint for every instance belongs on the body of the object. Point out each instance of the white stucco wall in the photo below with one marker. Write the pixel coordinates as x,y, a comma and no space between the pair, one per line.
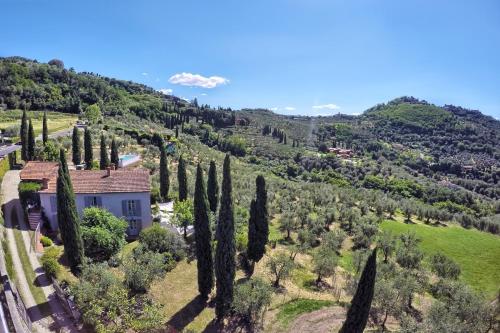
110,201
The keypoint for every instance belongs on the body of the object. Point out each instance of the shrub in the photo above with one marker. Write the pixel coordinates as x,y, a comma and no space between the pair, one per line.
143,266
161,240
46,241
51,267
103,233
50,263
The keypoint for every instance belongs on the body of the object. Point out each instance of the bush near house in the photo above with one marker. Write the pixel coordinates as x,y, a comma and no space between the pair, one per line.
50,263
103,233
158,239
46,241
27,192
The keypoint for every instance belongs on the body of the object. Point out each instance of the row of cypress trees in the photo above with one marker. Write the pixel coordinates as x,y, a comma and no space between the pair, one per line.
104,160
223,263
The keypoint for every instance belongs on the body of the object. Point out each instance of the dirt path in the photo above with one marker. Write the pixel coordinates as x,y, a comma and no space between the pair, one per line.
58,320
320,321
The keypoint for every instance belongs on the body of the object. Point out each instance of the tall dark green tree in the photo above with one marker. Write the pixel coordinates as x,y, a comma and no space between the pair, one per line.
357,315
89,154
23,133
115,159
104,160
45,129
31,141
213,187
67,217
182,179
258,225
164,173
225,251
76,147
203,237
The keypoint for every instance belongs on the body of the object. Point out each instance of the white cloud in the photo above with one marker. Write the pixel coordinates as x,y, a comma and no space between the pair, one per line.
203,94
144,73
166,91
289,108
273,109
326,106
197,80
186,99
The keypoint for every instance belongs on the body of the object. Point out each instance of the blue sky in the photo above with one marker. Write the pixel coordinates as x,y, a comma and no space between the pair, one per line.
296,56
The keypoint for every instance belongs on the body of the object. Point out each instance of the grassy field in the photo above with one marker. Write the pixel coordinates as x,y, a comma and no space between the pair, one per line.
56,120
291,310
477,253
178,292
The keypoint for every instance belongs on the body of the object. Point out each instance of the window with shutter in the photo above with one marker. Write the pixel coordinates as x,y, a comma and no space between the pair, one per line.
93,201
131,208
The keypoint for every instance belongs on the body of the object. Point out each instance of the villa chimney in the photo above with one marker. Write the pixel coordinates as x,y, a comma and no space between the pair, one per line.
45,183
108,171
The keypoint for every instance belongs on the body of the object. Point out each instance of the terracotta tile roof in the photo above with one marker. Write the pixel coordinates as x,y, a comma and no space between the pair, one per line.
37,171
97,181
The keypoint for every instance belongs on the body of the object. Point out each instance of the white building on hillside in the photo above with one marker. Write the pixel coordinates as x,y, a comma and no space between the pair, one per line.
125,193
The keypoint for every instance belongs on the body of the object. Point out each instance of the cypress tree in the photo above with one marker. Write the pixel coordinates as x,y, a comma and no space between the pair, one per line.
23,133
104,162
225,251
115,159
31,142
67,217
213,187
182,179
258,225
77,148
45,129
164,174
89,154
357,315
176,131
203,237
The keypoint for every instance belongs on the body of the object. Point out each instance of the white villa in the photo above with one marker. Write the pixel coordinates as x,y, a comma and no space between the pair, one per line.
125,192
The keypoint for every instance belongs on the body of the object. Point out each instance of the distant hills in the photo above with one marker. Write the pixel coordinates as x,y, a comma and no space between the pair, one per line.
447,133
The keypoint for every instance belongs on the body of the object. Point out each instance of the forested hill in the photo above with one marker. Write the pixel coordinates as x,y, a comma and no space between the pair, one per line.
447,138
449,132
28,84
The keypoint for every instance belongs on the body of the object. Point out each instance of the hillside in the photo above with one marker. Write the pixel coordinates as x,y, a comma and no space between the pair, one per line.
423,172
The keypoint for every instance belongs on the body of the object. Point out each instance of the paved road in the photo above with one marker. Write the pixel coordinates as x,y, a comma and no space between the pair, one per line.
55,135
6,149
59,320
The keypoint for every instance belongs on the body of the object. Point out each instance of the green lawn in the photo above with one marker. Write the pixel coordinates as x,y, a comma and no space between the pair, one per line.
56,120
477,253
291,310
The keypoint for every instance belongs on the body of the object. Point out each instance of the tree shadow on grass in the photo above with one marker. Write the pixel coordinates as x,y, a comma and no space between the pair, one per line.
214,327
188,313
